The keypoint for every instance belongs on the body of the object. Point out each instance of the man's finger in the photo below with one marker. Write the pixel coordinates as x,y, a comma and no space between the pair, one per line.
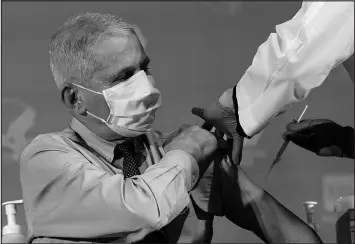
237,150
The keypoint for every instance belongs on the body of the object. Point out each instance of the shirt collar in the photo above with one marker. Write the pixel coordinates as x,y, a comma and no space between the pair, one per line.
103,147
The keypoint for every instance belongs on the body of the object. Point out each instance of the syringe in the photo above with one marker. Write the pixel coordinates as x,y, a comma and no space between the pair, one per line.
284,146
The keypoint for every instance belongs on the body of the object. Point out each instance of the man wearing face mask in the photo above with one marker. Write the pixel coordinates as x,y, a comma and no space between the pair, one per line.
97,180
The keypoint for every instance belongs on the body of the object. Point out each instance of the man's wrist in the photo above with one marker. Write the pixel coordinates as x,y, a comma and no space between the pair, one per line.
186,161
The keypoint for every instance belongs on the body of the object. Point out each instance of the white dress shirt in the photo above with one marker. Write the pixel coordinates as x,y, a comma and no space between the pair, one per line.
73,191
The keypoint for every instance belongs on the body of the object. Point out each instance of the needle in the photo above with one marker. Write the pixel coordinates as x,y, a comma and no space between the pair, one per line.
284,146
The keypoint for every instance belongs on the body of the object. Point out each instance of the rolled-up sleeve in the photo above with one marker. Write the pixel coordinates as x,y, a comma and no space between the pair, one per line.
67,196
294,60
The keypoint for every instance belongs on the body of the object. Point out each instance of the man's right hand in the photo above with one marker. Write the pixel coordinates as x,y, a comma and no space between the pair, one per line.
201,144
322,136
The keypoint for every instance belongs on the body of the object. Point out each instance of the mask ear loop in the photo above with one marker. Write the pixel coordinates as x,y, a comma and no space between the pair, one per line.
87,89
96,117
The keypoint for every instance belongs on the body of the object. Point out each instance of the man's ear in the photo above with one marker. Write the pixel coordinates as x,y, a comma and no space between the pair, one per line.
72,101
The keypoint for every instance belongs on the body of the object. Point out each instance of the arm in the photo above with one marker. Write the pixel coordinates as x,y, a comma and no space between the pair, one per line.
273,221
293,61
67,196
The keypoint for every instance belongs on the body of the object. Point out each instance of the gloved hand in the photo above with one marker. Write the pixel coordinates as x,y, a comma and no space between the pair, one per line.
222,117
322,136
201,144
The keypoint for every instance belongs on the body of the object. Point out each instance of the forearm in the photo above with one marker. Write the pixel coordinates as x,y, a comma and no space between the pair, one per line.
280,225
171,185
276,223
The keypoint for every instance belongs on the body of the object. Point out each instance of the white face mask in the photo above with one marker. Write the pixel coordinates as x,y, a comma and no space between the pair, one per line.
132,104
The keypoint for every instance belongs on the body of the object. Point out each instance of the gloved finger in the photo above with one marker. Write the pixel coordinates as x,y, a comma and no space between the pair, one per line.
300,126
305,141
237,150
306,125
288,135
200,112
330,151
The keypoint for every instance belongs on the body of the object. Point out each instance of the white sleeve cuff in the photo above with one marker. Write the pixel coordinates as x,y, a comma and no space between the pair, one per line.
186,161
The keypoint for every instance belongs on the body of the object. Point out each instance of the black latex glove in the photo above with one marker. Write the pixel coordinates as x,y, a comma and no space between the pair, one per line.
322,136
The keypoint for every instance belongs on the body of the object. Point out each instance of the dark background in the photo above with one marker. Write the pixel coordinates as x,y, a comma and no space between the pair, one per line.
198,50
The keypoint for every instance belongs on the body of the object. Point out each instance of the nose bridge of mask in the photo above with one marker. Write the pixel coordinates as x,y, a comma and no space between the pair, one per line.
140,76
127,98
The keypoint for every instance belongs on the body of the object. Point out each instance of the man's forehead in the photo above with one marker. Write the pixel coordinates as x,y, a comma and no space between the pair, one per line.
118,48
117,53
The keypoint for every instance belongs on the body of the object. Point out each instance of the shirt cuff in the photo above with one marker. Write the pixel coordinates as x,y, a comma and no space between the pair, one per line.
240,127
248,123
186,161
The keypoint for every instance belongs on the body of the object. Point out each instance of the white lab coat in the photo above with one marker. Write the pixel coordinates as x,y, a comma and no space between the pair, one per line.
294,60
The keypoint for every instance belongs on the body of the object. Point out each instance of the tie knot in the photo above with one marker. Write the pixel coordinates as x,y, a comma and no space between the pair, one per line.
124,149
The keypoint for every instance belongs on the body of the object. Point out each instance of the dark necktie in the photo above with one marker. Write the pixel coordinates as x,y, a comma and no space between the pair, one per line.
130,168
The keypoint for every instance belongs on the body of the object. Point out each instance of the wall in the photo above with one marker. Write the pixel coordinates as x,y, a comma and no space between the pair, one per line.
197,50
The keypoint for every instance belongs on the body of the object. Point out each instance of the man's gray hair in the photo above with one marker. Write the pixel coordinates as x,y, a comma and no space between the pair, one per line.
71,47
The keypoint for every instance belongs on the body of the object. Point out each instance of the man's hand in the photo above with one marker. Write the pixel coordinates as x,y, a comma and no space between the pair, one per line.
199,143
322,136
222,117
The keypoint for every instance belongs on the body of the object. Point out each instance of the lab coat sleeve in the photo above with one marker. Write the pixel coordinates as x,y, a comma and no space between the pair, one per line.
293,61
67,196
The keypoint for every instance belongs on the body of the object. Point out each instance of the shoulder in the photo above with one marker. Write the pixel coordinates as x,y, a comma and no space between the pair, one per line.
57,141
48,154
